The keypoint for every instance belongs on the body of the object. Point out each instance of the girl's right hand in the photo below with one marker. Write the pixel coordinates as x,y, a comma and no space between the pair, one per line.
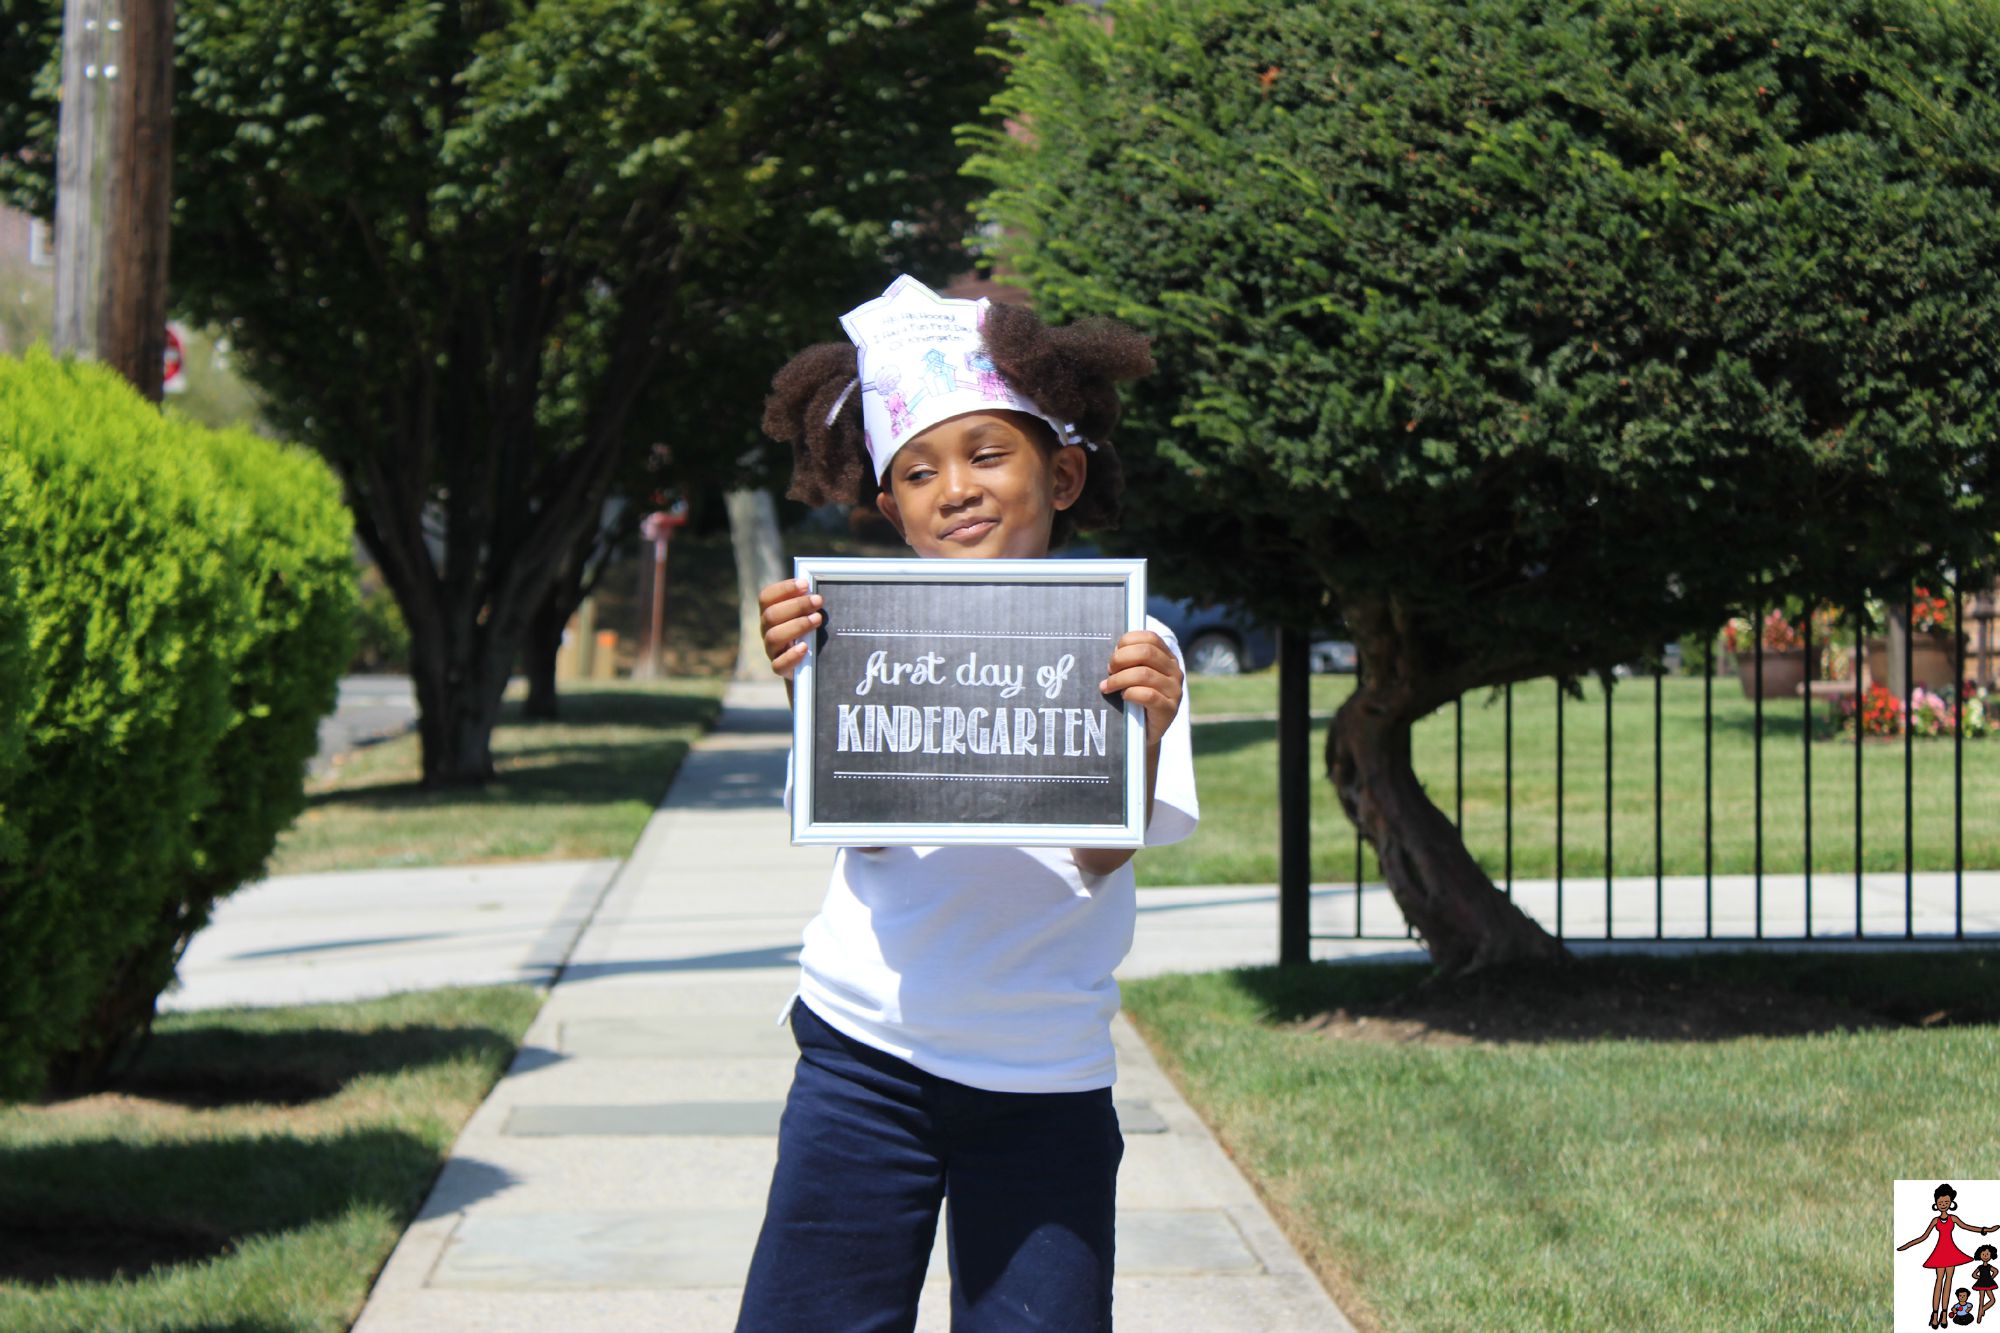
790,615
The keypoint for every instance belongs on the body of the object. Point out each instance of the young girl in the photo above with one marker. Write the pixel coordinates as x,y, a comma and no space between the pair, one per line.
1983,1278
954,1004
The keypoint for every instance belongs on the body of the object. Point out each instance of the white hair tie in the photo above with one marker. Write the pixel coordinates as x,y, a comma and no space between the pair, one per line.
841,401
1071,436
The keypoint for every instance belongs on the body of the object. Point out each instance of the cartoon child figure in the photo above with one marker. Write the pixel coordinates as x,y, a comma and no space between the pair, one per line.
938,378
1962,1312
1983,1278
1946,1257
991,386
892,398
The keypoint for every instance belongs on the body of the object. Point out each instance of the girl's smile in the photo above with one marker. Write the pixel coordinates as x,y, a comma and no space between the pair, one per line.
970,530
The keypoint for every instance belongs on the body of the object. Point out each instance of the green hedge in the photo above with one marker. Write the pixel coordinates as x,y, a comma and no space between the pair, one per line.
187,597
285,678
1533,332
13,642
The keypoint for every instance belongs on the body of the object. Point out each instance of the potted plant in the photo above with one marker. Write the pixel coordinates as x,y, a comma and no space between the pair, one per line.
1933,641
1783,658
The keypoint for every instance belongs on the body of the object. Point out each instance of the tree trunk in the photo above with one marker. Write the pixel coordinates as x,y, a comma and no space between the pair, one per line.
578,579
760,561
459,680
538,654
544,640
121,1022
1465,923
469,574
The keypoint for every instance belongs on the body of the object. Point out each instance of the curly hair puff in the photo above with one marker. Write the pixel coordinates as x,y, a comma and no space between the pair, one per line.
1071,372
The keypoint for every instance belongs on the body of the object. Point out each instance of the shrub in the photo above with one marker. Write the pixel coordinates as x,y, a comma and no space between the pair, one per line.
185,596
285,678
133,607
13,640
1527,334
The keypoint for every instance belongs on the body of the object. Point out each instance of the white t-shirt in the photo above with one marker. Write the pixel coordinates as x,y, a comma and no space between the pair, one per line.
989,966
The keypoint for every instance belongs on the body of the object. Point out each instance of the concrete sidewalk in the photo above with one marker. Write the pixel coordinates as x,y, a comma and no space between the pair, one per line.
352,935
615,1177
368,709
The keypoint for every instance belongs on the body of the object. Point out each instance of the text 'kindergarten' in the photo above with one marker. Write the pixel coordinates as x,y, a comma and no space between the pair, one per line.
950,729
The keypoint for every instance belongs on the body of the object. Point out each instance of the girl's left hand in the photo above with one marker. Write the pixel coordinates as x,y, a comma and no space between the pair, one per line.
1146,671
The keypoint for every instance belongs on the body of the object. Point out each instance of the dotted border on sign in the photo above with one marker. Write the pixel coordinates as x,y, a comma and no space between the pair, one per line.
973,634
967,777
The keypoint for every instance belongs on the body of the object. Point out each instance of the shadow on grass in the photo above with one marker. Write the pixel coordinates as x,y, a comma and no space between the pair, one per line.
1695,997
95,1210
582,706
572,770
1229,737
587,777
224,1066
1782,725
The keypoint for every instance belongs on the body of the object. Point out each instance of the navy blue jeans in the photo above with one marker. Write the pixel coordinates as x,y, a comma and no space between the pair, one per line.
868,1147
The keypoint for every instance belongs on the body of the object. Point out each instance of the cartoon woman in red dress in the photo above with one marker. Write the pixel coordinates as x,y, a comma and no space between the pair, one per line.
1946,1257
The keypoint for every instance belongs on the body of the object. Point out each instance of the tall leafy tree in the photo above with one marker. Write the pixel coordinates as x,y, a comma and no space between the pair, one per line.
1530,335
473,253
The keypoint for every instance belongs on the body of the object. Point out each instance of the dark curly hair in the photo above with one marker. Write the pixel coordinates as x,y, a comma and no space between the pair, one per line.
1071,372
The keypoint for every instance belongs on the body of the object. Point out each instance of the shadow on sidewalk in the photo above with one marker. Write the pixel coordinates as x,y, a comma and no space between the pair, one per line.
784,955
765,721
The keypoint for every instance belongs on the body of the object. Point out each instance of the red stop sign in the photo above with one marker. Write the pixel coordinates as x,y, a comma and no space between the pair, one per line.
171,381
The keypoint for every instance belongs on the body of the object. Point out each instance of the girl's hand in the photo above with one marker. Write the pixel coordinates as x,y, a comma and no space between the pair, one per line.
790,615
1146,671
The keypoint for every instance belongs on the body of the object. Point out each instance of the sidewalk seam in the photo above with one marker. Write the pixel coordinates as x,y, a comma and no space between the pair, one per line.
617,876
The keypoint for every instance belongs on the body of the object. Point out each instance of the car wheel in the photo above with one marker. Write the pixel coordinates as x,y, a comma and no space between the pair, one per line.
1214,654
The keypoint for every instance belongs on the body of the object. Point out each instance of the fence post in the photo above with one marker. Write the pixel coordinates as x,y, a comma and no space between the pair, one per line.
1294,804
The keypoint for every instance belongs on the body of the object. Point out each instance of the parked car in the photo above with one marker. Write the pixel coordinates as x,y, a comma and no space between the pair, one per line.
1332,655
1216,639
1670,654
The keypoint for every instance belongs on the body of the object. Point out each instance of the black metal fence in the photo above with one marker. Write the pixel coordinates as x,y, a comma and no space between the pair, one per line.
1294,914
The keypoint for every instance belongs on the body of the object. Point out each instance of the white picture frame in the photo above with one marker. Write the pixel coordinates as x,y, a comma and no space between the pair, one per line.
1128,575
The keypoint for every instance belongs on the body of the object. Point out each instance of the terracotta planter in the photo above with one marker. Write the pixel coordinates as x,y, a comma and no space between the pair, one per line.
1784,672
1932,663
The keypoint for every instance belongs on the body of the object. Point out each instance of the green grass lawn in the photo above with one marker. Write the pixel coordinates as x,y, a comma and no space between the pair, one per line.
1598,1184
578,788
253,1171
1236,776
257,1168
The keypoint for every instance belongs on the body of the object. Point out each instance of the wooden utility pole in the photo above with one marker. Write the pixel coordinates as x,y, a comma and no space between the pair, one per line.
114,165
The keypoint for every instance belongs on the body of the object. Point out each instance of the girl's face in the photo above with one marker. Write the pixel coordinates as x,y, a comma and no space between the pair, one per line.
1942,1203
979,485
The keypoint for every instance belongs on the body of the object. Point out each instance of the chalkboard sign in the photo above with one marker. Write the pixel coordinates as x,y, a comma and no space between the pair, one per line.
956,701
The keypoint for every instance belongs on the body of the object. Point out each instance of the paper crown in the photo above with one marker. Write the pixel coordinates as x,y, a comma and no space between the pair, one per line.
923,360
